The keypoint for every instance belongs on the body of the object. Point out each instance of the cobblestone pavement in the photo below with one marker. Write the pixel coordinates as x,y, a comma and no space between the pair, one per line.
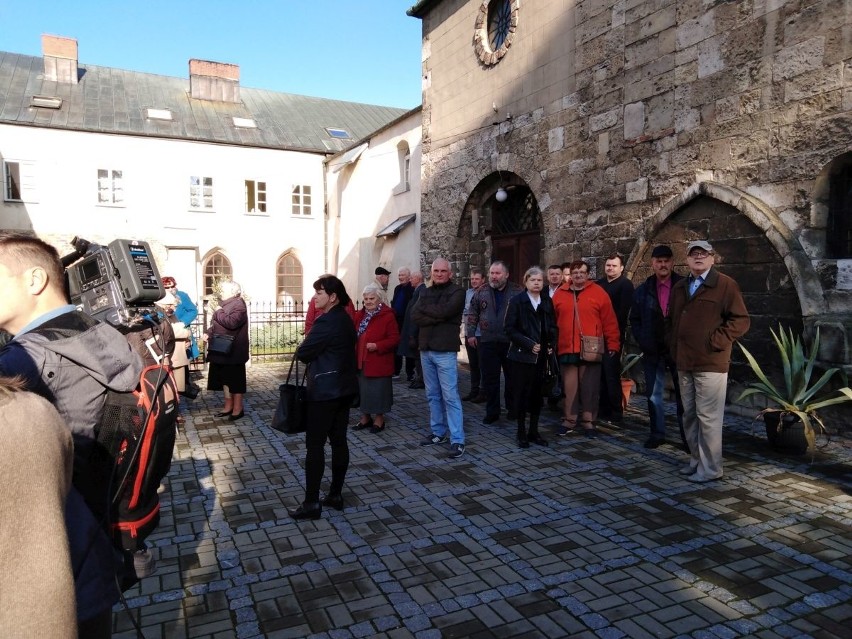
585,538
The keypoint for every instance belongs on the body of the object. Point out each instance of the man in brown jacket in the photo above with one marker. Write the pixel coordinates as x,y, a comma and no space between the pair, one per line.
708,314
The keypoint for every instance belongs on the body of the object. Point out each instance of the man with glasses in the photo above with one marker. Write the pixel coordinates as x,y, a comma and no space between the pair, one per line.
708,314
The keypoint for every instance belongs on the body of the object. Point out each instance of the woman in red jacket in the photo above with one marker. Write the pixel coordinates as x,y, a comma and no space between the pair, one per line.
378,337
582,307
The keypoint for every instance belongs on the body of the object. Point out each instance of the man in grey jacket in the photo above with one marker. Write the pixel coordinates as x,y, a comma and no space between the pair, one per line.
437,313
484,331
72,361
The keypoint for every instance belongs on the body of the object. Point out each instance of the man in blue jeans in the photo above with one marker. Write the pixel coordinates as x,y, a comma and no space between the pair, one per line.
648,317
437,314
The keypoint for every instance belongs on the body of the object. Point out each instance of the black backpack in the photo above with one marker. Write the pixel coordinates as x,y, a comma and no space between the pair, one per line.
136,435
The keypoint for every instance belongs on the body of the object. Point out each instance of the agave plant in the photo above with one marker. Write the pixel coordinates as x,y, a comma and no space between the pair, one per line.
798,396
628,362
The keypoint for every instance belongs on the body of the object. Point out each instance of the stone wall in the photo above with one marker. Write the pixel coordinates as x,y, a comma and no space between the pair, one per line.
751,98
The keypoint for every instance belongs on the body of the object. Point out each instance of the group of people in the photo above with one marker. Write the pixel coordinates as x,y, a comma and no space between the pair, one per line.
559,323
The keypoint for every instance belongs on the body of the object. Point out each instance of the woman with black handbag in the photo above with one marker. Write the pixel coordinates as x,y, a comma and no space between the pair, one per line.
228,350
332,383
531,327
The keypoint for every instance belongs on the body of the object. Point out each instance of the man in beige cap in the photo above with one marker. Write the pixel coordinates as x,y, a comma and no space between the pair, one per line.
708,315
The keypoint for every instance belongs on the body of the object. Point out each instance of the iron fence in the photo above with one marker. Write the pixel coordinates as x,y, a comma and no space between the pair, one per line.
275,330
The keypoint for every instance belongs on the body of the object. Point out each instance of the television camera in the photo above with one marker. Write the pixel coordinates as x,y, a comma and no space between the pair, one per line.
117,283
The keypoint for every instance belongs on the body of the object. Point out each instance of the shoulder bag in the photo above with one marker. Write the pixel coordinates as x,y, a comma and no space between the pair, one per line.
291,414
591,346
220,344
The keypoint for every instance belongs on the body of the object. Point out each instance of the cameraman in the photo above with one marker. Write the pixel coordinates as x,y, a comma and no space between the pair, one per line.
72,360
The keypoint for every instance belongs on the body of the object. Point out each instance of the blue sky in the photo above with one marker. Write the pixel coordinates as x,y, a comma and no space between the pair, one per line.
358,50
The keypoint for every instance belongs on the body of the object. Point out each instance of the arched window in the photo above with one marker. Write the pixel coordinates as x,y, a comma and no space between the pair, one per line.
288,281
839,226
404,154
217,267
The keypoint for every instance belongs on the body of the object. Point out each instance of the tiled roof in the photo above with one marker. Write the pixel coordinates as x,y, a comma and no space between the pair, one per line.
108,100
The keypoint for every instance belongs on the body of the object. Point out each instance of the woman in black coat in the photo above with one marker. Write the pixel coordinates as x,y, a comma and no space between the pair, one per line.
329,349
531,327
229,369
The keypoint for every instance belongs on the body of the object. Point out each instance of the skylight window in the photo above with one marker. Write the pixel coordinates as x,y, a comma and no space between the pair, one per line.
46,102
245,123
158,114
341,134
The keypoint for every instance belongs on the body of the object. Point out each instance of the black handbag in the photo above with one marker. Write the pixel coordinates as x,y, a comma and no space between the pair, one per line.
550,377
291,414
220,344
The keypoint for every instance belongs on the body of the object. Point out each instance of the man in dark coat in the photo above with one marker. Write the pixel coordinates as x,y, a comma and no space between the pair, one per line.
402,293
648,316
620,291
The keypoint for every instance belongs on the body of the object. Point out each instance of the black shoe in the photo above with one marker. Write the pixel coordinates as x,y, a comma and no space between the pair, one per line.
234,418
416,385
654,443
590,433
539,440
307,511
523,442
333,501
363,425
490,419
224,414
479,399
511,416
470,395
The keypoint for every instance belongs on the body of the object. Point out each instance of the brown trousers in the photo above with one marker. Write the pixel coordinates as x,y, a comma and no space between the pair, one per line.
581,384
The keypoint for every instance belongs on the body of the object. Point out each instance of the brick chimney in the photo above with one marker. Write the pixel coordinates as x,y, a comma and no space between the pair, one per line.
60,58
217,81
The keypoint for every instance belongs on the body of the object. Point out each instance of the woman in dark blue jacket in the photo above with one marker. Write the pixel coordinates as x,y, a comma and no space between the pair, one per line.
329,350
531,327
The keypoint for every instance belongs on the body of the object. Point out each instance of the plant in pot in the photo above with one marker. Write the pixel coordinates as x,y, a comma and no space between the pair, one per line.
628,361
794,424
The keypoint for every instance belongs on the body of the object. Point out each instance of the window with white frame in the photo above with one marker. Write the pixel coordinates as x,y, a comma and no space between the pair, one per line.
255,196
110,186
288,280
406,172
217,268
301,200
19,181
404,156
200,192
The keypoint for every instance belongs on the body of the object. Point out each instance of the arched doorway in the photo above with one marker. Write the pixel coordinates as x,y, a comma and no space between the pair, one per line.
744,253
502,228
516,231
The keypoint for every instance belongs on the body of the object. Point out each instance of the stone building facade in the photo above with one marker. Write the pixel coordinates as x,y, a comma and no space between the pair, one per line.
614,125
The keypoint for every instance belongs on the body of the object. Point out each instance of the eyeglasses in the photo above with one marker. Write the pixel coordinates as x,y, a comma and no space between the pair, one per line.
698,254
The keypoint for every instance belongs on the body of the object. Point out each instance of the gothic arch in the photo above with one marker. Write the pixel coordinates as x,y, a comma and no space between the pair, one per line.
805,280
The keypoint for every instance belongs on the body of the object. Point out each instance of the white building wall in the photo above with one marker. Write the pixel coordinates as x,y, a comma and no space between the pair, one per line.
367,195
63,201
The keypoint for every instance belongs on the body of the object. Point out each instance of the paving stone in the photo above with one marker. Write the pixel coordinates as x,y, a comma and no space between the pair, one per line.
582,539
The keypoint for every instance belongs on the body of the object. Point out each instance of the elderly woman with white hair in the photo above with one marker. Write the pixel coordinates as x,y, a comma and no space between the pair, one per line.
378,337
228,350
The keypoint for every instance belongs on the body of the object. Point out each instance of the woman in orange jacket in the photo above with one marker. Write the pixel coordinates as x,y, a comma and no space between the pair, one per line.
582,308
378,337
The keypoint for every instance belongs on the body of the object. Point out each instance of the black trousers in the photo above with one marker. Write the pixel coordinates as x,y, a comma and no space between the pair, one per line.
473,362
526,379
609,406
493,357
327,421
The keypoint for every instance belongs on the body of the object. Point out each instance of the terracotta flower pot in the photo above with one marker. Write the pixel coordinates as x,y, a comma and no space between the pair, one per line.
626,389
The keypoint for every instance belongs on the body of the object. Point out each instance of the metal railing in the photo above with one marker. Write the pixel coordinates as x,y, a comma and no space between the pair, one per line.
275,330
